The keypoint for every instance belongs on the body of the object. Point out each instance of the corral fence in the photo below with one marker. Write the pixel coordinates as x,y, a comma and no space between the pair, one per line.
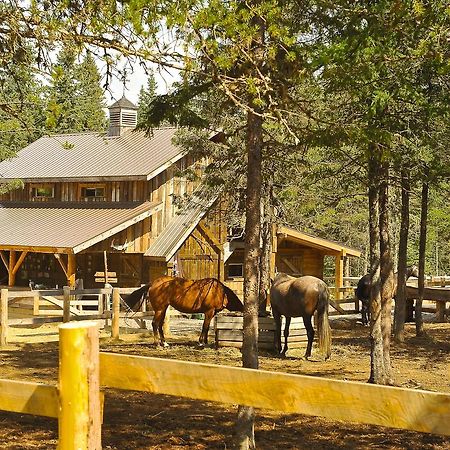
38,307
436,296
79,411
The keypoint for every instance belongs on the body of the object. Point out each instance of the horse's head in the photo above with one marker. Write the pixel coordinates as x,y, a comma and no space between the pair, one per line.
233,303
412,271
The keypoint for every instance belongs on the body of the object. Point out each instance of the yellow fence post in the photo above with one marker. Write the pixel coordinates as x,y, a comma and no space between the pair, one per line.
66,304
79,387
115,314
4,317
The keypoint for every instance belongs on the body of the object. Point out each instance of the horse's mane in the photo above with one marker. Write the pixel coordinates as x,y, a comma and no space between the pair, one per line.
232,298
137,295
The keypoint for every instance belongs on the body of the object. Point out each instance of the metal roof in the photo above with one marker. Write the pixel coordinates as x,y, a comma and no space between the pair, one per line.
123,103
66,227
181,226
94,156
327,246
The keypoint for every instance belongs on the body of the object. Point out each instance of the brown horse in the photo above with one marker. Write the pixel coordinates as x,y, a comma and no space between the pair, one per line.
295,297
207,296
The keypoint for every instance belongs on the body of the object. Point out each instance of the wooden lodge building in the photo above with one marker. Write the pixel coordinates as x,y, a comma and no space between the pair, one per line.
95,204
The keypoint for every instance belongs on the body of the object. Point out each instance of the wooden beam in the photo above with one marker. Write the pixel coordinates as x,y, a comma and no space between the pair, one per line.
211,239
61,263
290,265
71,270
339,274
4,259
430,293
21,248
19,262
12,263
335,399
27,397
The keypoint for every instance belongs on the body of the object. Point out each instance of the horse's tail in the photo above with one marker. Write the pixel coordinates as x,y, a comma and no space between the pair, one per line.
323,325
137,296
233,301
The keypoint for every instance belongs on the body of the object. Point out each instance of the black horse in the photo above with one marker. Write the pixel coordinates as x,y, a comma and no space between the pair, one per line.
362,291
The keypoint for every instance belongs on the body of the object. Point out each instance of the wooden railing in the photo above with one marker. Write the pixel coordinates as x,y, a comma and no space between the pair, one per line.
79,410
67,306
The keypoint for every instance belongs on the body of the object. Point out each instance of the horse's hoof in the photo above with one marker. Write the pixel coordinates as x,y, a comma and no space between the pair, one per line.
201,345
165,345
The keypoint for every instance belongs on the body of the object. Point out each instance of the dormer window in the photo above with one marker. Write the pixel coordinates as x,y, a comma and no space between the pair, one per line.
93,193
42,192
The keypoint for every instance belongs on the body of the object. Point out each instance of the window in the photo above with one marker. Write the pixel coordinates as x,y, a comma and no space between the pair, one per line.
43,191
235,270
93,193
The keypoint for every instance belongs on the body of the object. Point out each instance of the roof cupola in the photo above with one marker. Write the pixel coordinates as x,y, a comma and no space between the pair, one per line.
122,117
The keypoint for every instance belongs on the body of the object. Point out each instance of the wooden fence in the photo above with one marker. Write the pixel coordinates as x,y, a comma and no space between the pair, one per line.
65,305
79,411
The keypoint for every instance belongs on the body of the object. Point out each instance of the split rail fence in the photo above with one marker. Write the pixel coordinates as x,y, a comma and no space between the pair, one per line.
79,411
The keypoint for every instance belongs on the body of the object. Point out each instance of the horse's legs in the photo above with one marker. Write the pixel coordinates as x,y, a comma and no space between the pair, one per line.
286,334
203,339
277,317
157,325
309,333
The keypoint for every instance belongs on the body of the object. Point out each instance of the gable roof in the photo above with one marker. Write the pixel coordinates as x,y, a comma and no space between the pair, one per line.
327,246
66,227
123,103
181,226
94,157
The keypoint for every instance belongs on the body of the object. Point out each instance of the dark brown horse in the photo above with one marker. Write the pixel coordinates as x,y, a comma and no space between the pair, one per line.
295,297
362,291
207,296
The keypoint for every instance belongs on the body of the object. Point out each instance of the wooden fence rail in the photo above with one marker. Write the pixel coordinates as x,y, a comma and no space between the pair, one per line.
81,365
68,308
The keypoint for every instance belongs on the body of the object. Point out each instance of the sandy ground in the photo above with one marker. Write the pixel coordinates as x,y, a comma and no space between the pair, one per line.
134,420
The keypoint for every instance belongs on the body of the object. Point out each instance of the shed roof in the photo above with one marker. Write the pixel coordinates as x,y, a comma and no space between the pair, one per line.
94,157
66,227
180,227
327,246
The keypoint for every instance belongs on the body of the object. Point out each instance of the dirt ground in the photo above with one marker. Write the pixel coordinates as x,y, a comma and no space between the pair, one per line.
134,420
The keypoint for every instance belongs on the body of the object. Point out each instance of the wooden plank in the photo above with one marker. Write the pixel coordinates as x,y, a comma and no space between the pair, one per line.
436,294
102,280
27,397
335,399
102,274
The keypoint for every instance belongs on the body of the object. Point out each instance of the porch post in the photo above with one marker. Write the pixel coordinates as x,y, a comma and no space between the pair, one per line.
12,263
339,275
71,269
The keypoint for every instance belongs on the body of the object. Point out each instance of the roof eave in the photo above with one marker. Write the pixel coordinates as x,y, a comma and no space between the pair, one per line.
118,228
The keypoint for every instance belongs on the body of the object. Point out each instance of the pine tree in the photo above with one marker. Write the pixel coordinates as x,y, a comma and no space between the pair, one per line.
75,97
146,96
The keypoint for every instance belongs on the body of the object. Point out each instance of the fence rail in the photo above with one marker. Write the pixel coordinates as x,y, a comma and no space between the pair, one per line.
79,411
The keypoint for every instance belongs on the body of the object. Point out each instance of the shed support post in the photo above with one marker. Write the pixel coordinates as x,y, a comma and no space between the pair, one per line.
71,269
12,263
339,275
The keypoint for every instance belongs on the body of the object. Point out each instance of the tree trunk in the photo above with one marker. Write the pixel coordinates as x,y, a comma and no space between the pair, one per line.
246,415
266,248
400,298
386,272
376,338
422,248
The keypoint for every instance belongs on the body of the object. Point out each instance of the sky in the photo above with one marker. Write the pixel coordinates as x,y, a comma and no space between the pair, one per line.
136,78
